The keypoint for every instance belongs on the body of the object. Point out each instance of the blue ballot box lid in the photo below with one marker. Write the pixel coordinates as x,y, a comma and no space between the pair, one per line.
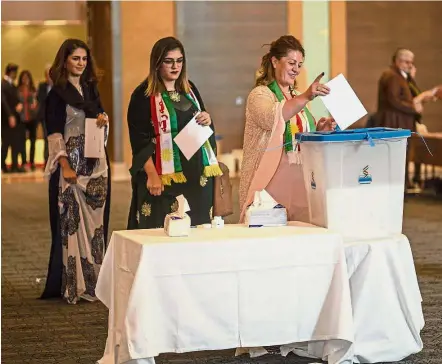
353,135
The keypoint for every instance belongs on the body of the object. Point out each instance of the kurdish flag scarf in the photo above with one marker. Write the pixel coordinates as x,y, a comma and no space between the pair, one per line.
294,125
167,156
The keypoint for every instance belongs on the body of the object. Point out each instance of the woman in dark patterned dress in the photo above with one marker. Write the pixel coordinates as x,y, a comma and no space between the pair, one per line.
79,187
160,107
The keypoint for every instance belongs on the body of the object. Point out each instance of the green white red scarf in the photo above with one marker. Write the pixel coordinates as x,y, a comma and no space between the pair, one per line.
301,122
167,156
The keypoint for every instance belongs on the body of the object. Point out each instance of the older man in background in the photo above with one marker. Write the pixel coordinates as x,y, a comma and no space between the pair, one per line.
396,108
399,100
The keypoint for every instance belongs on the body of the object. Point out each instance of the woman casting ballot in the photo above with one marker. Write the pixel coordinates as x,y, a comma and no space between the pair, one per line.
275,112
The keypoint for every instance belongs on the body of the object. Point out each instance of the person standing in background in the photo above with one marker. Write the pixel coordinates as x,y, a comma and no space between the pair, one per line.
396,106
79,186
42,93
11,107
28,97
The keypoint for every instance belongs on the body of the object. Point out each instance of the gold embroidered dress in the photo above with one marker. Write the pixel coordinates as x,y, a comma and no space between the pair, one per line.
147,211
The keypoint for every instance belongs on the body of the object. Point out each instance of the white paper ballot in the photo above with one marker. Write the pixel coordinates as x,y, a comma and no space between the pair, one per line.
342,102
192,137
94,139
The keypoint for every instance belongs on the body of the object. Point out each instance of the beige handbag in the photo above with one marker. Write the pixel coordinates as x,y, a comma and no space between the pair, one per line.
222,193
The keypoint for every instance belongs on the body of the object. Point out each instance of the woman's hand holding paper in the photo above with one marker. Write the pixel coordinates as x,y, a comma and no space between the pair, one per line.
203,118
102,120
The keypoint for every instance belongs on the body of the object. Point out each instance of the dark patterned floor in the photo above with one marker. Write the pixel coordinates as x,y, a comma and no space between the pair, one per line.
38,332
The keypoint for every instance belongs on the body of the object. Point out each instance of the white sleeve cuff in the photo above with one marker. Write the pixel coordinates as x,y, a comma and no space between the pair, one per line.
57,149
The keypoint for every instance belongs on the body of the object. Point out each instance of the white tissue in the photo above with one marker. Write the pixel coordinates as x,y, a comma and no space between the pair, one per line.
265,211
178,223
183,205
262,200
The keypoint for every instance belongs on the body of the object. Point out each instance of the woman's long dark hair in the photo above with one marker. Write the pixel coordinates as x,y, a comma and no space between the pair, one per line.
31,80
278,49
159,53
58,72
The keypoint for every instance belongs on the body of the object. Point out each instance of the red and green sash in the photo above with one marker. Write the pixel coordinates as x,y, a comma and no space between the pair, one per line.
168,162
301,122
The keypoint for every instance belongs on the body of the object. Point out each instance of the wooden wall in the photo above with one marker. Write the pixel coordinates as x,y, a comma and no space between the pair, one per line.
223,41
100,41
375,29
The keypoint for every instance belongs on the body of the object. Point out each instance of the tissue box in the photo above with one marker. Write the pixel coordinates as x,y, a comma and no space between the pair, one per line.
217,222
175,225
259,217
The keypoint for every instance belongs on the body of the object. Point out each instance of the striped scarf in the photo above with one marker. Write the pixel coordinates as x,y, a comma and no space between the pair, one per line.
167,156
299,123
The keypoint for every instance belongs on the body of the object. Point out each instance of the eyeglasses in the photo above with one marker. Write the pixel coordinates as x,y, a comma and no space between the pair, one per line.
171,61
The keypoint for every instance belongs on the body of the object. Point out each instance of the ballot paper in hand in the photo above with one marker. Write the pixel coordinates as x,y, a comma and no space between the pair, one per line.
192,137
342,102
94,139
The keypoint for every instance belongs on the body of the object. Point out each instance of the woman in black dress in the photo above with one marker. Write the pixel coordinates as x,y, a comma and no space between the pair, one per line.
160,107
79,187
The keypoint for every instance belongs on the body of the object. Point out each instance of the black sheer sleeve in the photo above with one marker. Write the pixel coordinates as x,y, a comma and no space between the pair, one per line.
55,113
141,131
203,108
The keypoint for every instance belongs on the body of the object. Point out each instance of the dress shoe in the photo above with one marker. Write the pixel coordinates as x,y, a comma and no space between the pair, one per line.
18,170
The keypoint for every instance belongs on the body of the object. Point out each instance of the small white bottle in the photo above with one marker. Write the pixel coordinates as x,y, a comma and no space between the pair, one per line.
217,222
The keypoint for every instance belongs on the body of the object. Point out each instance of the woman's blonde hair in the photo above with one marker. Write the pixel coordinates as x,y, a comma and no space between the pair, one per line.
278,49
159,52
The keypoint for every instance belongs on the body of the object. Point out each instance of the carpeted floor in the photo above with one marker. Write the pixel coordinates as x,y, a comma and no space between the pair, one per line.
44,332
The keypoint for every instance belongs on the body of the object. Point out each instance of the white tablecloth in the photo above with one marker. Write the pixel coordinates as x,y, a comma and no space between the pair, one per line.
240,287
387,304
233,287
386,301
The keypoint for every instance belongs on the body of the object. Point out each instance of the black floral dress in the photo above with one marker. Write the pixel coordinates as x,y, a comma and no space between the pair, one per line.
147,211
79,212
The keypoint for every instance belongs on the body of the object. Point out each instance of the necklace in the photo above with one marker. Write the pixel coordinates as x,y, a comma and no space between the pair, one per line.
291,92
79,88
174,96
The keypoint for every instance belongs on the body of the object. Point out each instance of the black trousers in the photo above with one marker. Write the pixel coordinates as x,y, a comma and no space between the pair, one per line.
21,142
31,129
11,138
